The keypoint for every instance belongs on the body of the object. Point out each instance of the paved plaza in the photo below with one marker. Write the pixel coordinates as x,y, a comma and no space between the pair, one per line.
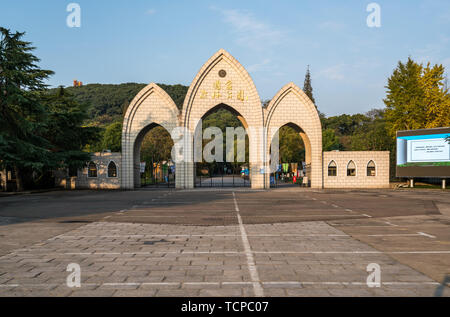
226,242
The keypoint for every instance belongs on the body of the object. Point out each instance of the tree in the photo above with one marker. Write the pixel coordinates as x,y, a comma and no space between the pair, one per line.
416,98
307,88
156,145
65,131
112,137
291,147
373,137
330,141
108,103
436,97
22,116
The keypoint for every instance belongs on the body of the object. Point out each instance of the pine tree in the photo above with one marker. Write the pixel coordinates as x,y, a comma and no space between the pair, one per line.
65,131
307,88
22,116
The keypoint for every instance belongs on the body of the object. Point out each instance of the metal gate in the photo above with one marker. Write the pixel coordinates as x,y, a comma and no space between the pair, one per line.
221,175
158,176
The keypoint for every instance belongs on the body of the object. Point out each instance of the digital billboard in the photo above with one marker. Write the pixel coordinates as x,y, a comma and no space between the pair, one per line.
423,153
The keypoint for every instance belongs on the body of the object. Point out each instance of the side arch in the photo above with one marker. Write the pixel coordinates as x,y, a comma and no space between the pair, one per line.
292,105
234,88
152,106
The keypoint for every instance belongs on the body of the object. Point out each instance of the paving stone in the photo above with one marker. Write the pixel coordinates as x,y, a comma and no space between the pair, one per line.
44,265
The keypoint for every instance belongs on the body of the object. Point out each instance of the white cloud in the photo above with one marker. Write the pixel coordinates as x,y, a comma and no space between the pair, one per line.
250,31
259,66
335,72
331,25
433,52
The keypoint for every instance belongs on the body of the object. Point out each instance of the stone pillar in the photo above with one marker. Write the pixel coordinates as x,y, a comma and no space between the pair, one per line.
184,178
411,183
443,183
257,175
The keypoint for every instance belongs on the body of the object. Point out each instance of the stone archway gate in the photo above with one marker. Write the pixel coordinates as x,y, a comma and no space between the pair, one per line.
222,80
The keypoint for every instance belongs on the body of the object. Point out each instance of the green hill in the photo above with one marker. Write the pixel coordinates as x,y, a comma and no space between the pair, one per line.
108,102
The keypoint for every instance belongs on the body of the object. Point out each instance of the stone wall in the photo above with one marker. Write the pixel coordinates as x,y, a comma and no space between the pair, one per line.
361,159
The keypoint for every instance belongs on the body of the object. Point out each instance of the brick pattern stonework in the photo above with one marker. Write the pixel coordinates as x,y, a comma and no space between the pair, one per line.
291,106
151,106
223,82
234,89
102,181
361,159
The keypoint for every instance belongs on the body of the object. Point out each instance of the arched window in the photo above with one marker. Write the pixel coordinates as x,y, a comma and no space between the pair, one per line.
92,169
351,169
371,168
332,169
112,169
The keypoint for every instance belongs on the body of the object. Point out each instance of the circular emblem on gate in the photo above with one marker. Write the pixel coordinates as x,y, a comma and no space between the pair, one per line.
222,73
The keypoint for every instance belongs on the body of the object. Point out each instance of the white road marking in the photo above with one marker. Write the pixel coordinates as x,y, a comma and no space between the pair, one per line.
335,206
262,216
366,215
257,288
393,235
237,283
181,252
426,235
348,209
140,236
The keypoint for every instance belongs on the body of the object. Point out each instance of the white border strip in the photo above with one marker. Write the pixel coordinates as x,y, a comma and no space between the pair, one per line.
257,288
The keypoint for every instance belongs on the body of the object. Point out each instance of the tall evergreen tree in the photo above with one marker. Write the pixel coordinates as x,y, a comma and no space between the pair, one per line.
307,87
65,131
22,116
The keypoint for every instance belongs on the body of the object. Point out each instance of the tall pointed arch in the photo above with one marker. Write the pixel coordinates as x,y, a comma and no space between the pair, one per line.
292,105
223,80
224,63
151,107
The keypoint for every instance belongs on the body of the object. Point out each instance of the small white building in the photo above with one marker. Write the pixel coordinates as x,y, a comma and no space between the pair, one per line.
101,172
356,169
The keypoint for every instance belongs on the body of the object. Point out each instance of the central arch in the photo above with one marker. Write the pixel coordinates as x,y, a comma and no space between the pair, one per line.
223,80
233,161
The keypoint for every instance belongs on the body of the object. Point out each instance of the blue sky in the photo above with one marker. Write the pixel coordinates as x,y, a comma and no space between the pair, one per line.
168,41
